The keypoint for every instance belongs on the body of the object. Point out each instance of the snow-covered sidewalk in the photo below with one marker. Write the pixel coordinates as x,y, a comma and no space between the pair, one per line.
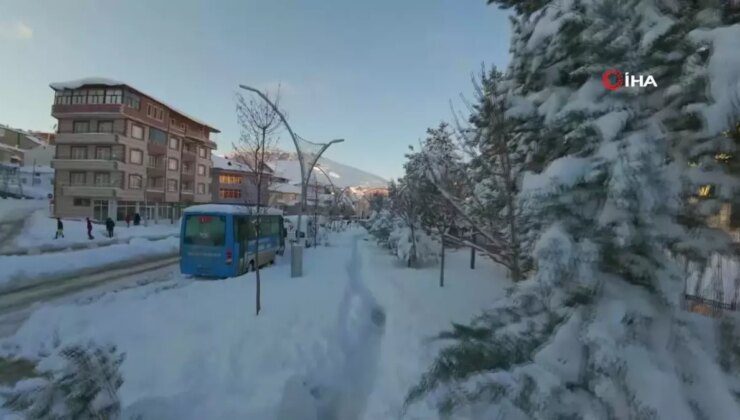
346,340
39,229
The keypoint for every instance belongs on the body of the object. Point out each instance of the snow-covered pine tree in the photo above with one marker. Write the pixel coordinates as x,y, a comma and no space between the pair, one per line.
438,165
83,385
407,205
494,170
597,331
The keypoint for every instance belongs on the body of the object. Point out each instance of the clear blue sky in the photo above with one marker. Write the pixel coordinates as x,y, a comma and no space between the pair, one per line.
376,73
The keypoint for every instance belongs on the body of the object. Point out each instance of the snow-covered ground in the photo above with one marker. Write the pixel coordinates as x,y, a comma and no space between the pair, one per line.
39,230
12,209
346,340
19,270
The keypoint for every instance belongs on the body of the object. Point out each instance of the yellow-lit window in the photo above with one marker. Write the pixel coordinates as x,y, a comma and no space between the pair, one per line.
705,191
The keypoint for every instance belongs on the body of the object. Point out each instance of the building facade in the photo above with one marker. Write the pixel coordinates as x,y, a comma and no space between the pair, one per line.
235,182
14,143
120,151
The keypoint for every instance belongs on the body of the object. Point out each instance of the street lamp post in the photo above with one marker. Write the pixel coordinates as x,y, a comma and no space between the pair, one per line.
297,255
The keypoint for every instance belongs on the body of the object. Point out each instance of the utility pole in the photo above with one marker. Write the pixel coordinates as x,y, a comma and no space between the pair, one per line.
306,168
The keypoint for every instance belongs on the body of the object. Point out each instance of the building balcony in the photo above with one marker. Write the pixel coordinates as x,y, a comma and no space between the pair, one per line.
110,189
188,155
60,110
156,149
188,191
86,164
89,138
156,170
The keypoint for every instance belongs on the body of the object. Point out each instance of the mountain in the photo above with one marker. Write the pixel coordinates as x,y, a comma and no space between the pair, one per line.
341,175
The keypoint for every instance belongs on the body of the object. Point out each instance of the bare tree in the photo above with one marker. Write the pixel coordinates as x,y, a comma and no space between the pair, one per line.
259,123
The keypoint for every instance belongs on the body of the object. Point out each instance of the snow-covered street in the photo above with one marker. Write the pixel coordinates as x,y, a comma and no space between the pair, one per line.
344,341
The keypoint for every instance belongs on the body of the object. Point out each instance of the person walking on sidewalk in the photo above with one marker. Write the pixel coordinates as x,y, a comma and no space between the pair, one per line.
128,220
109,225
60,229
137,219
89,229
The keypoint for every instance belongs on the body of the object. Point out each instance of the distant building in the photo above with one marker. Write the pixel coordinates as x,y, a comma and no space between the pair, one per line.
285,196
121,151
235,182
14,142
40,155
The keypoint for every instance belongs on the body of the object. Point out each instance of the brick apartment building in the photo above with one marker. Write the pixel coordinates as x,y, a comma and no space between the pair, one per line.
120,151
235,182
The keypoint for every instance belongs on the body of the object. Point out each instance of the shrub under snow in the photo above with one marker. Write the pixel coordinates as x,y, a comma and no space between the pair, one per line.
81,383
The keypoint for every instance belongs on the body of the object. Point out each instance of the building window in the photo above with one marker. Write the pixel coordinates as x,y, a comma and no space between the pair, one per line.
81,202
229,179
171,185
155,112
202,152
201,188
79,97
113,96
157,136
186,186
201,169
137,131
95,96
187,168
174,143
105,126
136,156
102,179
172,164
131,100
134,182
79,152
63,98
81,127
77,178
229,193
103,153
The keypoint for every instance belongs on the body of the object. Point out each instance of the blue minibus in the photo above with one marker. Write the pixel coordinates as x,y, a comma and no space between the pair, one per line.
219,240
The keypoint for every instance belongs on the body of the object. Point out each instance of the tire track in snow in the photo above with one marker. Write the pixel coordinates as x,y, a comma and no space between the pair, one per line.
337,387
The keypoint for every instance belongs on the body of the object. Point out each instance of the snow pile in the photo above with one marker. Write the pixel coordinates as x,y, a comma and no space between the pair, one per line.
12,209
39,230
18,270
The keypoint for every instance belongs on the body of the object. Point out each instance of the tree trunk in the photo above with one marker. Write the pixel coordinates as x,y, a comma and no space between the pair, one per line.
442,261
514,245
472,253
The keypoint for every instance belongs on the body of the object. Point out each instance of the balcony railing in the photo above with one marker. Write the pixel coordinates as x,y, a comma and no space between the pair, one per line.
111,183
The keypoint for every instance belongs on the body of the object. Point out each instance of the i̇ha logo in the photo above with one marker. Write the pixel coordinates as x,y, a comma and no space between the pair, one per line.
614,79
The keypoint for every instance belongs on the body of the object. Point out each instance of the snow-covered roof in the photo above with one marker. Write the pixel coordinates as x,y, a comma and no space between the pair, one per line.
230,209
10,148
220,162
78,83
28,135
102,81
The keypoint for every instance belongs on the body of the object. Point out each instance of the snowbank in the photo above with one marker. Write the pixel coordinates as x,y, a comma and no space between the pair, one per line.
39,230
13,209
17,270
417,309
